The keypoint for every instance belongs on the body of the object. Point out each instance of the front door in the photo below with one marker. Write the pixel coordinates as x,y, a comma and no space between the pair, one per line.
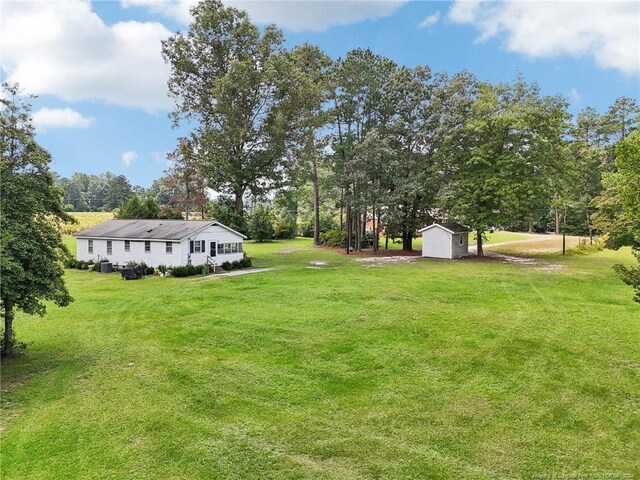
212,249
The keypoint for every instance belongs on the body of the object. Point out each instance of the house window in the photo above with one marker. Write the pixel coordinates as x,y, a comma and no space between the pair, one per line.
240,247
197,246
90,246
168,247
227,248
109,247
234,248
127,245
212,249
220,248
147,246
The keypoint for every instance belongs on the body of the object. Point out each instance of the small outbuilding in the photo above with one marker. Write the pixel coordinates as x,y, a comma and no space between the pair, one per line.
160,242
445,240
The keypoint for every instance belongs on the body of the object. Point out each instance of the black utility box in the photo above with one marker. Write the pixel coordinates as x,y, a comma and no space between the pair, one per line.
131,272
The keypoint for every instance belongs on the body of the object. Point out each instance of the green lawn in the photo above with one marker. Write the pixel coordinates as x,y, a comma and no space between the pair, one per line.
435,369
500,236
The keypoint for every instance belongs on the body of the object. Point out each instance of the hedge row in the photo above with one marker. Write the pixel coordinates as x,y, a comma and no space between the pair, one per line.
185,271
237,265
188,270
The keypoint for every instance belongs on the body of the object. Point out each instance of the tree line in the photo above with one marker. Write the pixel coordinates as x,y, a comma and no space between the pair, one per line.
83,192
171,195
363,145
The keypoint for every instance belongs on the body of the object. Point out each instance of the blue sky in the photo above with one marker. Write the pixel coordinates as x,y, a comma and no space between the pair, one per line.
101,82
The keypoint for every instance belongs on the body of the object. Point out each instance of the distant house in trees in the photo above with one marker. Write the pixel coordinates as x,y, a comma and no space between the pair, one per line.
370,227
160,242
445,240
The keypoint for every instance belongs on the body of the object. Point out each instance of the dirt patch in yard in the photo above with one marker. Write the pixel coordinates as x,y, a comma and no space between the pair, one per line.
549,267
284,251
515,251
377,262
516,260
367,252
513,259
317,264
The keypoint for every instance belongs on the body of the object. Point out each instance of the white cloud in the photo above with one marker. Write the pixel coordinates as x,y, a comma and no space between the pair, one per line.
575,95
176,9
129,157
608,31
314,15
46,118
63,48
429,20
161,158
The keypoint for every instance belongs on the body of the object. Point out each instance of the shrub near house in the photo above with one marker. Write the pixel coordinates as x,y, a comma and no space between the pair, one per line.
191,270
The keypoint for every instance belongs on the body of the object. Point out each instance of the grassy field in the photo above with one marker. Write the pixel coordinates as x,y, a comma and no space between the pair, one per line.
542,244
349,369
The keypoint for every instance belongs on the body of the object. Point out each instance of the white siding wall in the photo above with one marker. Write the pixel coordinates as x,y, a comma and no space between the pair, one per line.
436,243
157,255
210,234
81,250
460,250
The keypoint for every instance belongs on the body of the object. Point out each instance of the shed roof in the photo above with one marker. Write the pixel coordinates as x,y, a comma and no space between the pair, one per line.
150,229
449,227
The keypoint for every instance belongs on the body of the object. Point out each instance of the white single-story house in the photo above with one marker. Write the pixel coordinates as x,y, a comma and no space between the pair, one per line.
160,242
445,240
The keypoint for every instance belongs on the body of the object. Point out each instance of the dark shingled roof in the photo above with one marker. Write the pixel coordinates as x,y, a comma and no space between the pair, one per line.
148,229
452,227
455,227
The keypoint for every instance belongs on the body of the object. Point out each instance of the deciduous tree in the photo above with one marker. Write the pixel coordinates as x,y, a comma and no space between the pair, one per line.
31,248
619,206
511,145
225,77
186,180
137,207
261,224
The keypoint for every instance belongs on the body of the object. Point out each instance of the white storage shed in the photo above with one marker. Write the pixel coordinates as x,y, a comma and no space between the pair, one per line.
445,240
160,242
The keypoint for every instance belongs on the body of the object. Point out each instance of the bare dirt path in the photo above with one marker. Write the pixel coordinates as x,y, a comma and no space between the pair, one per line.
539,238
520,260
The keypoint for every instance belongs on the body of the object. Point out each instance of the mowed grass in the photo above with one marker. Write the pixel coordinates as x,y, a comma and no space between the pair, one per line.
435,369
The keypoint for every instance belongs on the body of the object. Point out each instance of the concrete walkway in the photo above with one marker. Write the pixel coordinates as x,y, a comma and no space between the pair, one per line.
235,273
